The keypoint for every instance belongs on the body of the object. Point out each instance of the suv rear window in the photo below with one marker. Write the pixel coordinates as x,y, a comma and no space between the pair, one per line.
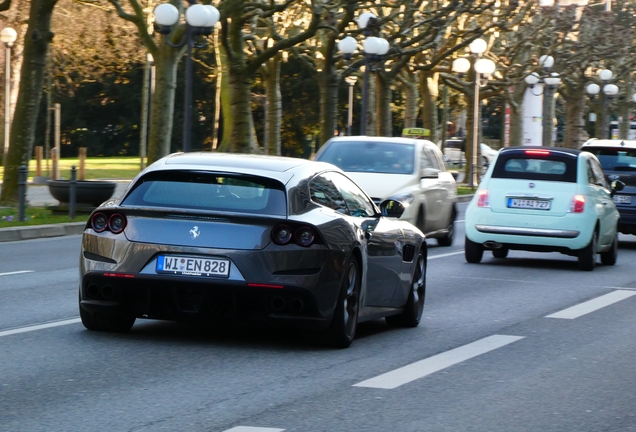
209,191
614,159
551,167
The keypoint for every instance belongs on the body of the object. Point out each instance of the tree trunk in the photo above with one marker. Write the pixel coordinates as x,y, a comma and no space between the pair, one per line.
328,82
36,44
162,109
226,101
575,134
411,96
430,91
371,108
383,107
274,107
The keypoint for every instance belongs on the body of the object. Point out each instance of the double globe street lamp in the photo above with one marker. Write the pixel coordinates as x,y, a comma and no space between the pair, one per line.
200,20
550,83
374,50
482,68
608,93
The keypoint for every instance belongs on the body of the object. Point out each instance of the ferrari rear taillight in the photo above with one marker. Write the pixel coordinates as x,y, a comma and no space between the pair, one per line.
99,222
302,236
483,199
578,204
115,222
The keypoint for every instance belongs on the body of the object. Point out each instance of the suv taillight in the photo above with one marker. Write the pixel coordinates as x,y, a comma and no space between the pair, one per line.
483,200
578,204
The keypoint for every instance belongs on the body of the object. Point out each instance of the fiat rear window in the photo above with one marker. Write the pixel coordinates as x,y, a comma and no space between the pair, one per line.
208,191
546,166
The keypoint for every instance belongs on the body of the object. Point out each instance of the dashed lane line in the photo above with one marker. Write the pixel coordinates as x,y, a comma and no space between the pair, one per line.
39,327
422,368
593,305
16,272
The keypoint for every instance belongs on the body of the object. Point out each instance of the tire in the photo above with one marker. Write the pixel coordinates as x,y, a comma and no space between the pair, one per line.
502,252
414,306
106,322
447,240
419,222
473,251
343,326
587,255
609,257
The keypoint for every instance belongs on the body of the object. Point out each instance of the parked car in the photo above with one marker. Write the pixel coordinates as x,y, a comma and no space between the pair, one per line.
411,171
454,153
544,199
211,236
618,160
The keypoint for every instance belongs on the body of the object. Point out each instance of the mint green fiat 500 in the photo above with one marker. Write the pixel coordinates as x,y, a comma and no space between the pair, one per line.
544,199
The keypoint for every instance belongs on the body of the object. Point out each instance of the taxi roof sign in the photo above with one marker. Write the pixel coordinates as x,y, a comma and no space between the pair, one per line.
415,132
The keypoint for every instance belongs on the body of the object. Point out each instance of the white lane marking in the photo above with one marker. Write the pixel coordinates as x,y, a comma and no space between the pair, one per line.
445,255
592,305
253,429
16,272
39,327
461,220
422,368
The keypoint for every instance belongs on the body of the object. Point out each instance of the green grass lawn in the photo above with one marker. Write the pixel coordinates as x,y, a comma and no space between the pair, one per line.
94,168
35,216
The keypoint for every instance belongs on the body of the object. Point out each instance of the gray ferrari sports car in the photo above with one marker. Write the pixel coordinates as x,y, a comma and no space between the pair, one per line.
211,236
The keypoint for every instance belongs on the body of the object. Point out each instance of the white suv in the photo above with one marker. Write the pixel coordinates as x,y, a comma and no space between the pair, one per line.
411,171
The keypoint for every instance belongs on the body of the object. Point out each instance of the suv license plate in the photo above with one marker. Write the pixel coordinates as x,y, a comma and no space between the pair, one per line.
623,199
528,204
192,266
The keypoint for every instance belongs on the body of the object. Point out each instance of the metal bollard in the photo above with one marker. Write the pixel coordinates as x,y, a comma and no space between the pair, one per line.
22,181
71,198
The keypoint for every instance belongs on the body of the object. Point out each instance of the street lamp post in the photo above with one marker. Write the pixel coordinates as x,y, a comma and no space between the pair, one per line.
200,19
482,68
351,80
374,49
8,36
550,83
608,93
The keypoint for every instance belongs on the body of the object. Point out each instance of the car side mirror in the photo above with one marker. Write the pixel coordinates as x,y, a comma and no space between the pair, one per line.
617,186
391,208
430,173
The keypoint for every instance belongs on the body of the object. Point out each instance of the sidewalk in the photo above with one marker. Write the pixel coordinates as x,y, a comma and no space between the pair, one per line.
39,196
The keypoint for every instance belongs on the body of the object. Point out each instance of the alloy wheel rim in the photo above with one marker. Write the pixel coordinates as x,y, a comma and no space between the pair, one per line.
417,286
350,308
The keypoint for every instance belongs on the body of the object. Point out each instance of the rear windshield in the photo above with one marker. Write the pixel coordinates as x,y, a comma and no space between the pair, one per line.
615,159
209,191
370,156
552,167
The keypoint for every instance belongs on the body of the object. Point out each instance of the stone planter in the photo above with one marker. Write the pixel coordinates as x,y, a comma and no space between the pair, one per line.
88,193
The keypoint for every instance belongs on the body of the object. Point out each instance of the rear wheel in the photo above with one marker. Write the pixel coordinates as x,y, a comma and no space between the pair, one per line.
345,319
587,255
502,252
106,322
473,251
447,240
609,257
415,304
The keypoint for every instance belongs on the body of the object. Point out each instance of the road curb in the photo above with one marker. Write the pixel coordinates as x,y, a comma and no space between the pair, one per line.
41,231
464,198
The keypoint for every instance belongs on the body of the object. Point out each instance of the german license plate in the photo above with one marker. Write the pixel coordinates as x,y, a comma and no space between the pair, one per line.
623,199
193,266
534,204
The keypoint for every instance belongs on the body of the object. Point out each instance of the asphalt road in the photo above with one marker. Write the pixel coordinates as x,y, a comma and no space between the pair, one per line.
522,344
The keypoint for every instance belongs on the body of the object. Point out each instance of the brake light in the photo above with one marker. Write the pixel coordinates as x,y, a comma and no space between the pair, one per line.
114,223
578,204
538,152
483,200
302,236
